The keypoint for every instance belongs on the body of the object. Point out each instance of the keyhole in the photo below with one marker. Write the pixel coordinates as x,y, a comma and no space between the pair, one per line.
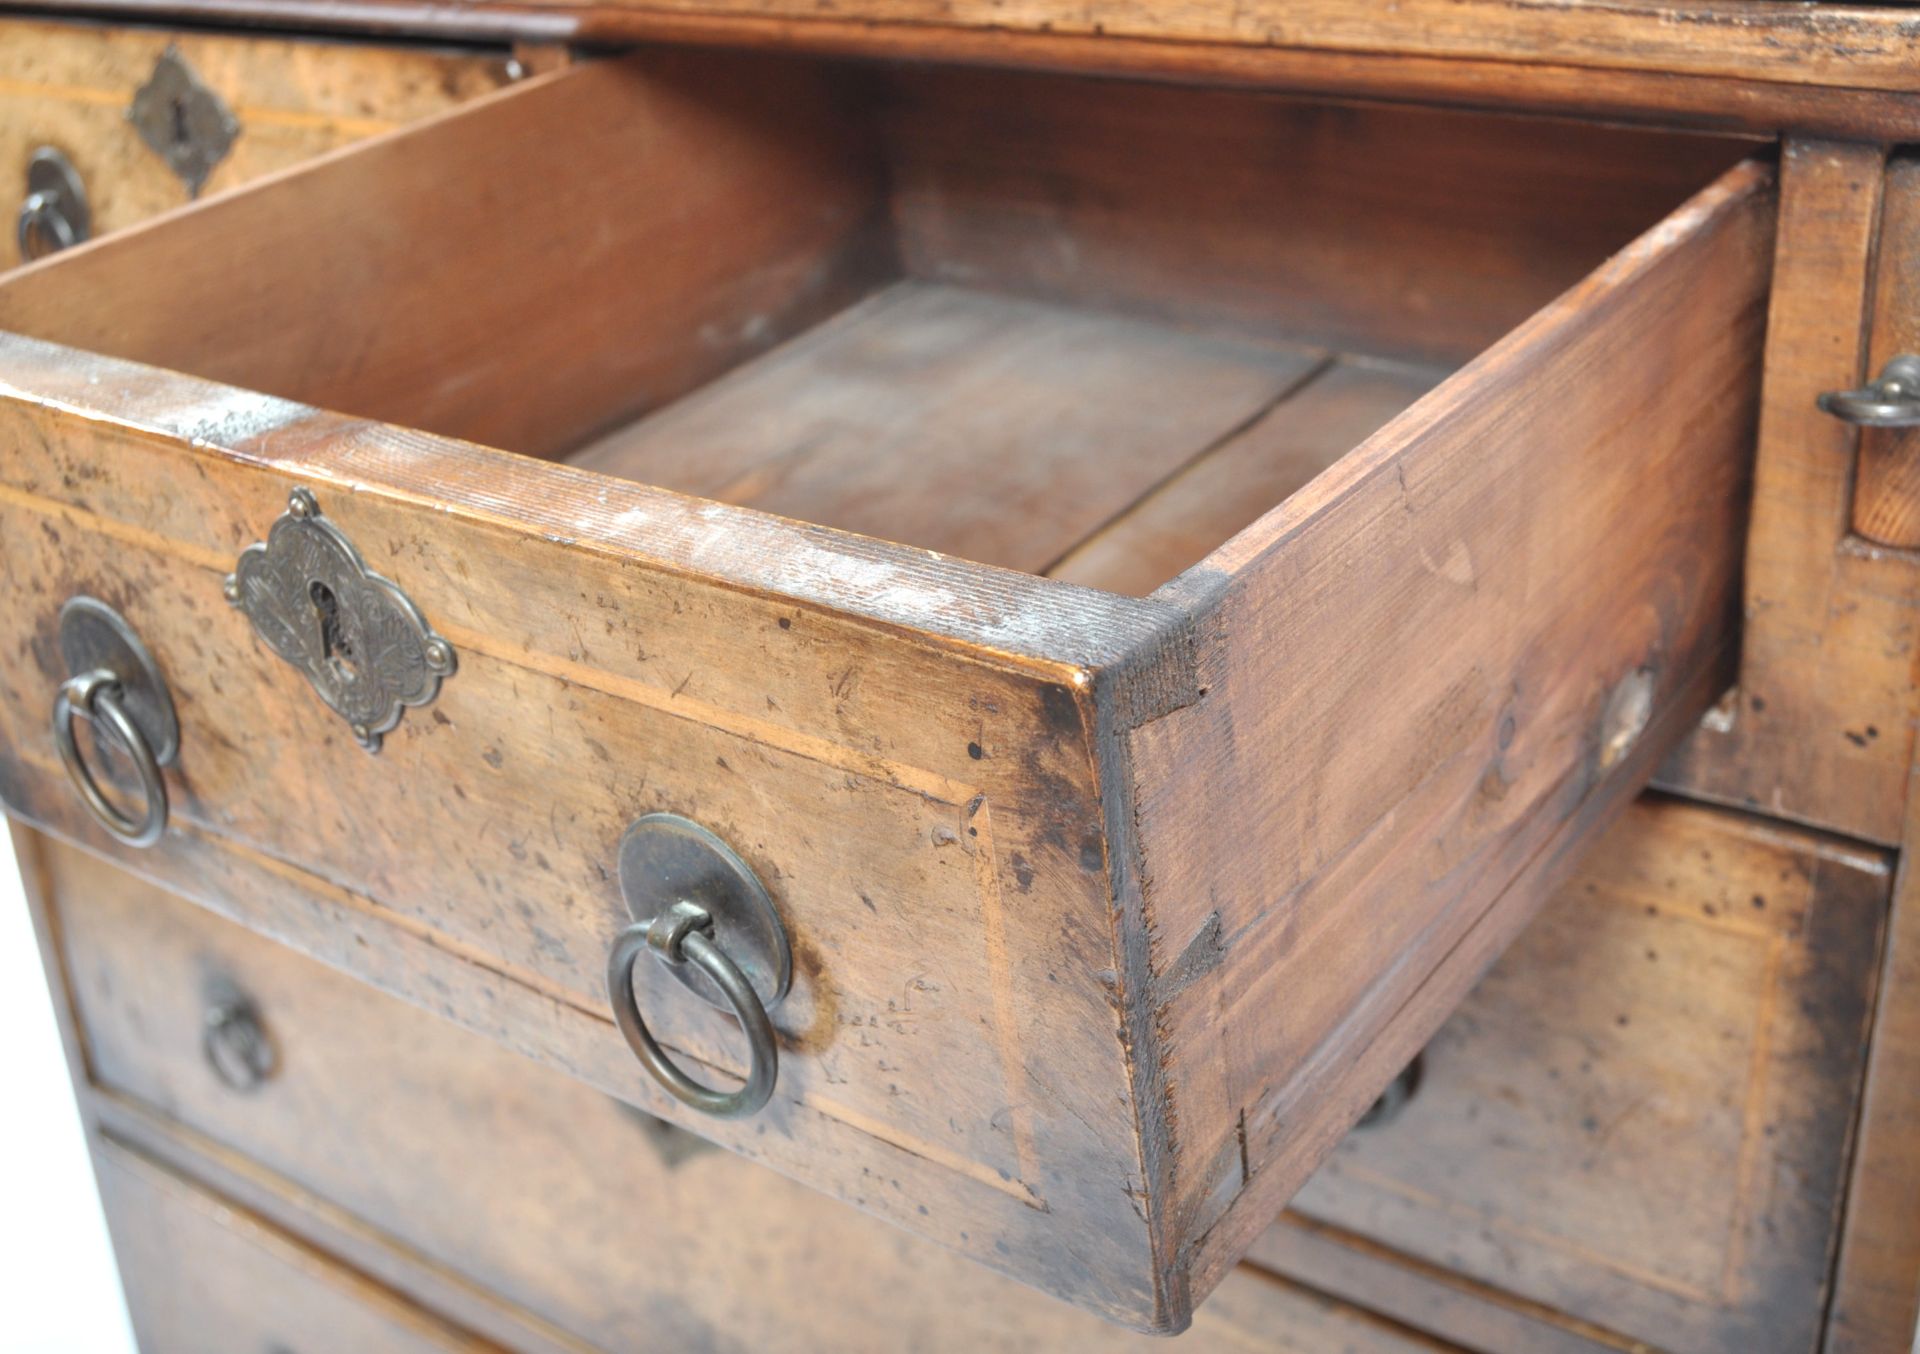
180,134
335,647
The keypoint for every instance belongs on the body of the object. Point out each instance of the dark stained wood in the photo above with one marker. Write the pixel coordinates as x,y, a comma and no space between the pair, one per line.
202,1277
1876,1288
636,228
1822,729
1886,491
1402,679
1827,69
1641,1118
1230,487
516,1180
1399,232
999,430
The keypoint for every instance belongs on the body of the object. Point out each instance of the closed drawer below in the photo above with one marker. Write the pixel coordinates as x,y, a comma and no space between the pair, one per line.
583,1223
204,1277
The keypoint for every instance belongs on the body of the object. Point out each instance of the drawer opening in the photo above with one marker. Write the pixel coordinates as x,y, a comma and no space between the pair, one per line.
1441,426
1084,328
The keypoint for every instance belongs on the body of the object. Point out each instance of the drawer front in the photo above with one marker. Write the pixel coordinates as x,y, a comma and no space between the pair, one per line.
202,1277
595,1220
73,86
1641,1118
1049,858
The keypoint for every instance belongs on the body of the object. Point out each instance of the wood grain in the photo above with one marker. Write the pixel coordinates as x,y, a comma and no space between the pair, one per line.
1432,1297
1400,232
1641,1119
68,85
1876,1284
1239,479
1391,709
660,248
1831,69
204,1278
1886,490
1853,46
1822,729
998,430
524,1183
972,834
669,232
1111,913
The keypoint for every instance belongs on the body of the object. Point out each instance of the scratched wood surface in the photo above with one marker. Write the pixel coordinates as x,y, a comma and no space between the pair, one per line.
1186,517
1837,69
1886,490
1822,729
205,1278
1398,702
1641,1118
555,1199
1414,233
68,85
723,204
704,208
927,868
1024,950
1023,428
1876,1286
1114,452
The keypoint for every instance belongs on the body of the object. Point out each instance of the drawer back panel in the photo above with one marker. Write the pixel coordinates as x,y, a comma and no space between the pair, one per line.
481,284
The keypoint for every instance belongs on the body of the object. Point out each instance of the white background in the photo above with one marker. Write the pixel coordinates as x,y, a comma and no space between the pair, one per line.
58,1290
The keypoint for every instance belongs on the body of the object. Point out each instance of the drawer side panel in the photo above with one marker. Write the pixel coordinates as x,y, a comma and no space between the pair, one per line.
1407,671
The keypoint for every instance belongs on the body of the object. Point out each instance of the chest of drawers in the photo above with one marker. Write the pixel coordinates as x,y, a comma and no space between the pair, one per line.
1103,603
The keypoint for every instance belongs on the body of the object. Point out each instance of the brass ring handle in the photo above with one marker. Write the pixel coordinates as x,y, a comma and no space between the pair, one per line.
1892,400
95,696
679,935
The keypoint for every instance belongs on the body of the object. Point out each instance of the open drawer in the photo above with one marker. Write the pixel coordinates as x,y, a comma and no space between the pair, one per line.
1239,683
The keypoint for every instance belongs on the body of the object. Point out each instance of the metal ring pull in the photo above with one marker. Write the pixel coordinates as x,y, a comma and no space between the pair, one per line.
682,934
703,912
54,216
116,686
43,229
1891,401
235,1043
96,696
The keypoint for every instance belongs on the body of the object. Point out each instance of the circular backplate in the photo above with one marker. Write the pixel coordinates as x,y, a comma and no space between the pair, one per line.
665,858
94,636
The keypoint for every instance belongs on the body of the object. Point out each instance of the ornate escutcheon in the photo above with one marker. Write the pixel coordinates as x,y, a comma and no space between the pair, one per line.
183,121
365,647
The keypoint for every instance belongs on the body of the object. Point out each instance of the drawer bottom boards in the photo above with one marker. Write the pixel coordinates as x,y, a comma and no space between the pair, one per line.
1632,1136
